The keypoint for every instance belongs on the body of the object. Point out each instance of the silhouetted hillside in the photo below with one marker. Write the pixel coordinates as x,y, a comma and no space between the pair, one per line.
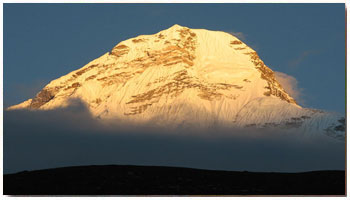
149,180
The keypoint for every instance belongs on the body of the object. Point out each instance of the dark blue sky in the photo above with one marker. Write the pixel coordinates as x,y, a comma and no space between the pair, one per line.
45,41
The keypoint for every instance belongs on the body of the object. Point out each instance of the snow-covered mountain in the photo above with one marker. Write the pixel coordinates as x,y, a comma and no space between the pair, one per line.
184,77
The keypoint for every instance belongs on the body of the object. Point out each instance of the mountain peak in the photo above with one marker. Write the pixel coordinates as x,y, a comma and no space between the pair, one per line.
176,27
216,66
179,76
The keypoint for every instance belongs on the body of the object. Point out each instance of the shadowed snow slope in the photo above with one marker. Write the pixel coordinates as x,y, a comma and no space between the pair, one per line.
184,77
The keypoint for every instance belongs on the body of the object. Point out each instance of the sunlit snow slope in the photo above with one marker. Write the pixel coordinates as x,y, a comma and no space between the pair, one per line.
184,77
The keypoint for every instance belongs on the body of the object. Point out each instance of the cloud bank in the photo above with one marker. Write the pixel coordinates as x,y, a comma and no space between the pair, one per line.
290,84
71,136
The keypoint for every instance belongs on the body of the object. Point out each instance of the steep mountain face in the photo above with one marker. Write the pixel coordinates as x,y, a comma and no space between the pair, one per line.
183,77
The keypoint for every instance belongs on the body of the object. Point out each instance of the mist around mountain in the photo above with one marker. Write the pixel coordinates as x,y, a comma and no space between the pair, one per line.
72,136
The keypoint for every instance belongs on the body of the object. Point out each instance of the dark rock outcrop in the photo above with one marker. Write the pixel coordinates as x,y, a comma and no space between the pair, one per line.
44,96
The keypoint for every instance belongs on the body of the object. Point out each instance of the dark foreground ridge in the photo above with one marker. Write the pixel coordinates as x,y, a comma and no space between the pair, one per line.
149,180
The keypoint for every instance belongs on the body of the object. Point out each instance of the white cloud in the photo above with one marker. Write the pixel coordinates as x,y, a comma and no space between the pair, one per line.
302,56
290,85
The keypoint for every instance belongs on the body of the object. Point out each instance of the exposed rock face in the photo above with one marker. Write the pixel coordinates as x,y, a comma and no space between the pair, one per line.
181,77
337,130
120,50
43,97
274,88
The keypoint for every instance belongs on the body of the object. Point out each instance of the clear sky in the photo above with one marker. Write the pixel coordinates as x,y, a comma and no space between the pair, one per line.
306,41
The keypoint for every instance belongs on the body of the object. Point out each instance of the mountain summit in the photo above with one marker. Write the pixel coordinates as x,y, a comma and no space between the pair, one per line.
183,77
